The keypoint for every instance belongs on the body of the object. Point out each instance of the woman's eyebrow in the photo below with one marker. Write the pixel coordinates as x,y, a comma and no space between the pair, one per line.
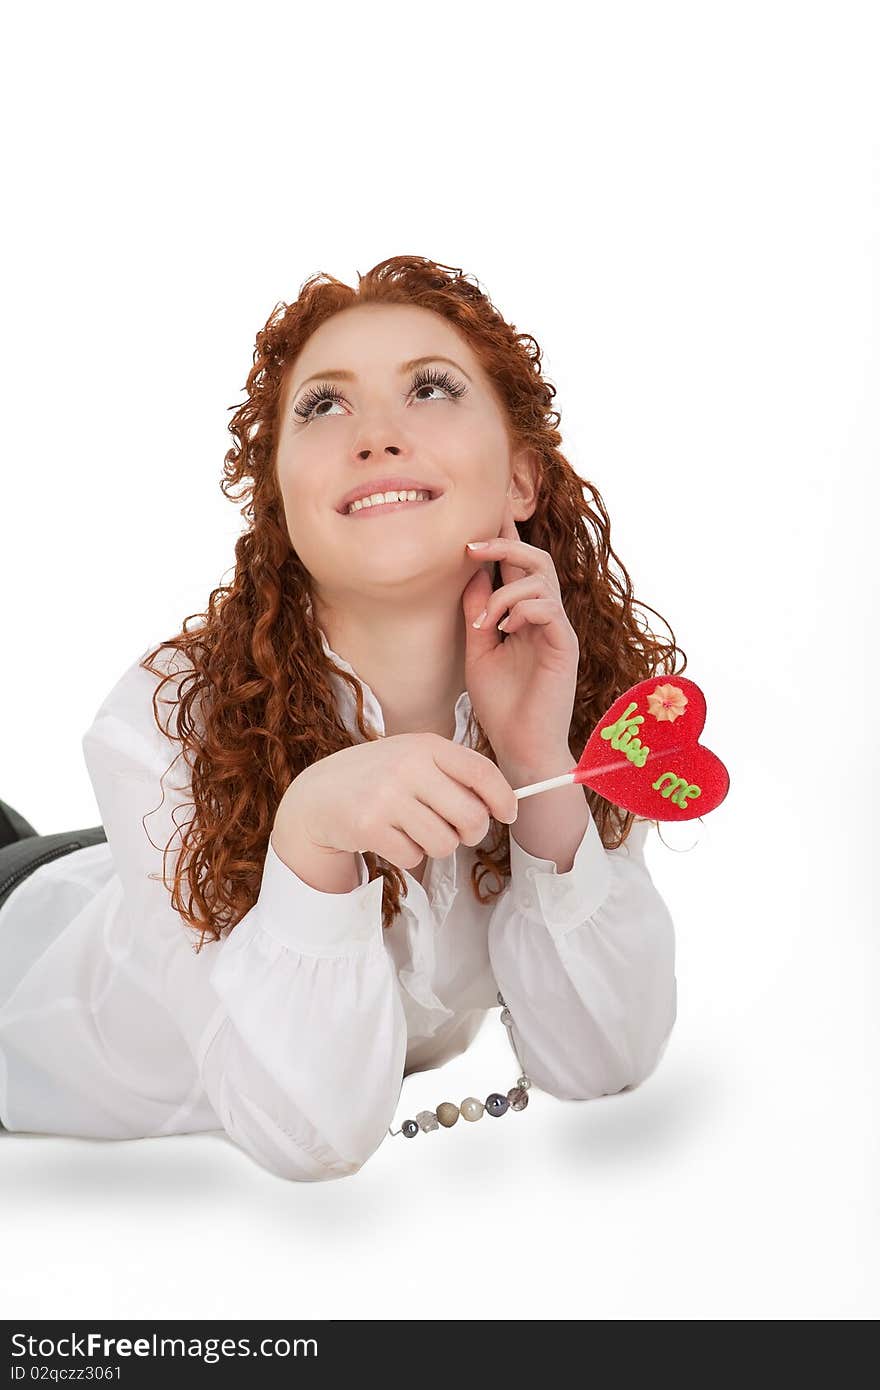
404,367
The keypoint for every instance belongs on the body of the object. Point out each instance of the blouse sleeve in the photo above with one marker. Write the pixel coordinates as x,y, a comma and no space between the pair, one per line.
585,961
293,1020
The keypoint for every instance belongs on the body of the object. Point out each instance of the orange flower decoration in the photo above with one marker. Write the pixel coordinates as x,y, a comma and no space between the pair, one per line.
667,702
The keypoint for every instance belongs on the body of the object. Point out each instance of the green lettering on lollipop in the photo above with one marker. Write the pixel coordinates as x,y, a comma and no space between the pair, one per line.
680,791
621,735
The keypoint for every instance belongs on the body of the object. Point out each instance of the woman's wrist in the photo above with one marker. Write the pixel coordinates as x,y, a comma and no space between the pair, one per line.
538,769
328,870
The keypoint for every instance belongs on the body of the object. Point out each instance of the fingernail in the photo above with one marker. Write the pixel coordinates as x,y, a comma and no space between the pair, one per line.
477,545
478,622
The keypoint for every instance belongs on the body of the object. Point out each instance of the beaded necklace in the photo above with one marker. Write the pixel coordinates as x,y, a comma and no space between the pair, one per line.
471,1108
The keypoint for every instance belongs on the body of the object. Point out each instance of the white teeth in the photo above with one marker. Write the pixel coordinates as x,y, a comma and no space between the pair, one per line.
377,499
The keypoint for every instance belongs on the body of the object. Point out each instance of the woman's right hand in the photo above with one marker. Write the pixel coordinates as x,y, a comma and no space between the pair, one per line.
401,797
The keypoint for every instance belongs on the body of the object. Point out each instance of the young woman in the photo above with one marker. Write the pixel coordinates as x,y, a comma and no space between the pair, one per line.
304,792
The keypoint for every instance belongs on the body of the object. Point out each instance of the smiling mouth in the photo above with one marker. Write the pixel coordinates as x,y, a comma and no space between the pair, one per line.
385,507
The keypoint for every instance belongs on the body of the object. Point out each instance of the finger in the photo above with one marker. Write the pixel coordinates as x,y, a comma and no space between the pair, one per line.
471,768
536,612
480,635
438,835
476,594
445,816
396,847
508,523
508,596
529,558
530,613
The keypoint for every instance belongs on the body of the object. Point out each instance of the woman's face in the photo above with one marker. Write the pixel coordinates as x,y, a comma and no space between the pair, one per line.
448,434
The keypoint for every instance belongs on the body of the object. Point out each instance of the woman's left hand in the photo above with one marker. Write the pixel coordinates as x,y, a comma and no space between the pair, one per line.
522,688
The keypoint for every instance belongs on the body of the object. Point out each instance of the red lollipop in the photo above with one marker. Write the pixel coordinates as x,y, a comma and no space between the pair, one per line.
644,754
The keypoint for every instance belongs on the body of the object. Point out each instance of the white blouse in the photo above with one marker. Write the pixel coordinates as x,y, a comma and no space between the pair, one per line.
294,1033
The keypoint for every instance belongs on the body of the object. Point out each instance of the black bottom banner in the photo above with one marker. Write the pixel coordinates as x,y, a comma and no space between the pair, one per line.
107,1352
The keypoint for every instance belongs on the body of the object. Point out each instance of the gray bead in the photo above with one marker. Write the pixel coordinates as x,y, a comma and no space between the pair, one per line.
506,1018
427,1121
409,1128
523,1082
518,1098
496,1104
447,1113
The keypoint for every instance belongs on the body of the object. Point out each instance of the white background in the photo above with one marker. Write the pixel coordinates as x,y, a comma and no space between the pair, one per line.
680,203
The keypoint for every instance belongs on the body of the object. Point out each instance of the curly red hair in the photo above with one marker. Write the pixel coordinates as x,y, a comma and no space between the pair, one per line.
255,705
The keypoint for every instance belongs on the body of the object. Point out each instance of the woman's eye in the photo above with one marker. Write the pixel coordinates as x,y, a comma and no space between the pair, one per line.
308,406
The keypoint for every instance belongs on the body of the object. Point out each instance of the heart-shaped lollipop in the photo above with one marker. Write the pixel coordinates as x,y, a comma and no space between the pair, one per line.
644,755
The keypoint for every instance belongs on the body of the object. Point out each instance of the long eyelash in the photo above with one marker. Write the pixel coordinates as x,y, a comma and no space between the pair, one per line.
430,376
323,391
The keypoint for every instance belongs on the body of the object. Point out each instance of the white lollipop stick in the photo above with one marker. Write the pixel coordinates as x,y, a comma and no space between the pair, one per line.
544,786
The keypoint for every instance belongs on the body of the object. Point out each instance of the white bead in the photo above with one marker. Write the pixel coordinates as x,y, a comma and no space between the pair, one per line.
471,1108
